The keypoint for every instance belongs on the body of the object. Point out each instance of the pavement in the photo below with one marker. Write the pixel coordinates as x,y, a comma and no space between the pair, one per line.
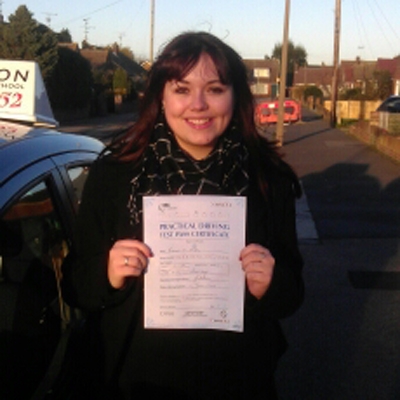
344,342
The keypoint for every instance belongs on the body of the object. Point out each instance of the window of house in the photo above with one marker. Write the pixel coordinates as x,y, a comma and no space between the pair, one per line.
260,88
262,72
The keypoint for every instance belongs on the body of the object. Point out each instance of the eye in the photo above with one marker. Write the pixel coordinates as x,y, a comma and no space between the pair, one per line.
217,89
181,90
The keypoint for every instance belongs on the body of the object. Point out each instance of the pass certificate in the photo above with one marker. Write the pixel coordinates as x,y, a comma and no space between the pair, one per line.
194,279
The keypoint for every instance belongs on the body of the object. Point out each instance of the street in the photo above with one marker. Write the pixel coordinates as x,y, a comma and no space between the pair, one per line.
344,343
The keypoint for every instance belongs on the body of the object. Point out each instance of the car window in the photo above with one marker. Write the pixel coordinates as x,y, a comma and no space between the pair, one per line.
78,176
392,104
32,313
396,105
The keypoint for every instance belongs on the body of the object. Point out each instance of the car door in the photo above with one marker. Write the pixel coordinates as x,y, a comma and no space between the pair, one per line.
38,207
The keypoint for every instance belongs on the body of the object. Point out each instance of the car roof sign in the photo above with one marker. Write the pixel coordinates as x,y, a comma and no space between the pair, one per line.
23,96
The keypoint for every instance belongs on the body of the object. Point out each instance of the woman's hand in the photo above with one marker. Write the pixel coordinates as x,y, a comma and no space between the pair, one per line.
258,266
127,258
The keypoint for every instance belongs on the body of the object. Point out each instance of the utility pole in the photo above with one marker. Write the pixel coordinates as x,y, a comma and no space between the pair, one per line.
282,82
1,12
152,32
336,49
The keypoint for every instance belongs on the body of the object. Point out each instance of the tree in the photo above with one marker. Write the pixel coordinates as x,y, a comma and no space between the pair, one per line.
384,84
313,92
297,57
70,85
23,38
121,82
64,36
352,94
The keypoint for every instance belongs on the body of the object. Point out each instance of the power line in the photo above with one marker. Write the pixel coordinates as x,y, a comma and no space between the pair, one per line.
357,14
379,25
93,12
386,20
136,15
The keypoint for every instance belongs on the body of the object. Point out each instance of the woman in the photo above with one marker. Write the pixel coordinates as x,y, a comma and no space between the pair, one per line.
195,135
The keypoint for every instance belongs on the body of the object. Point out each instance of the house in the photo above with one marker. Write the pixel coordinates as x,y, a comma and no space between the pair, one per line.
393,66
315,75
105,63
352,74
72,46
263,76
109,60
356,73
98,58
146,64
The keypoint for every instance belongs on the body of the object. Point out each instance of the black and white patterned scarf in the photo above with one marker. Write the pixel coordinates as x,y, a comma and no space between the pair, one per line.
167,169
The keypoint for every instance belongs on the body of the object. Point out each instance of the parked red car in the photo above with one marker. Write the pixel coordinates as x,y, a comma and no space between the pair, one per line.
267,112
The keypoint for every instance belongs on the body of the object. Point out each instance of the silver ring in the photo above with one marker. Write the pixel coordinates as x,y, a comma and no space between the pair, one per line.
126,261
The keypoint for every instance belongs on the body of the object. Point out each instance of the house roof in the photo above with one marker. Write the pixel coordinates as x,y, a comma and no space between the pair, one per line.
350,71
319,75
357,70
98,58
261,63
72,46
109,59
390,64
130,66
386,64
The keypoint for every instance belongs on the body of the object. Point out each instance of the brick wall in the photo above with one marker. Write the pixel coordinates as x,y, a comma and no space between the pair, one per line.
377,138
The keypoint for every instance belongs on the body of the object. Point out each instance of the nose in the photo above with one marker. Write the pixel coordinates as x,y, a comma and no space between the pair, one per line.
199,101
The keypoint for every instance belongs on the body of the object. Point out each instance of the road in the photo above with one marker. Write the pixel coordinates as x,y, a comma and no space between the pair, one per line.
344,343
103,128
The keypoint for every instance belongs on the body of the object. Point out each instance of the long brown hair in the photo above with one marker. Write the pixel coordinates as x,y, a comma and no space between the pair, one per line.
175,61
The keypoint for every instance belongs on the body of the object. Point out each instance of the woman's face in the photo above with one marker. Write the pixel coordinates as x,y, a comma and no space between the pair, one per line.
198,108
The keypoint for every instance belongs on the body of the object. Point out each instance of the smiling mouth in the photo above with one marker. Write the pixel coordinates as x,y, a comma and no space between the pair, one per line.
199,122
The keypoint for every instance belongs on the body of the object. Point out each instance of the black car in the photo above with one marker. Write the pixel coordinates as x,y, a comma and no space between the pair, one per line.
42,174
390,105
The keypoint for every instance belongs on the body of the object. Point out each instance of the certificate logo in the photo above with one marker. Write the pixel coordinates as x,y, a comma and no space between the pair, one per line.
166,207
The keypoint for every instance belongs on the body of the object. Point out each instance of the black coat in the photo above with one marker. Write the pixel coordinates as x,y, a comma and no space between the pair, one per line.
197,364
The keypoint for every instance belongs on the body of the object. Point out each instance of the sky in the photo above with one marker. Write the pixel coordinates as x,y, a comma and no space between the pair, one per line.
370,29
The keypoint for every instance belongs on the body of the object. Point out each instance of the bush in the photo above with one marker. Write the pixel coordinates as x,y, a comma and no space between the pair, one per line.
352,94
314,92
